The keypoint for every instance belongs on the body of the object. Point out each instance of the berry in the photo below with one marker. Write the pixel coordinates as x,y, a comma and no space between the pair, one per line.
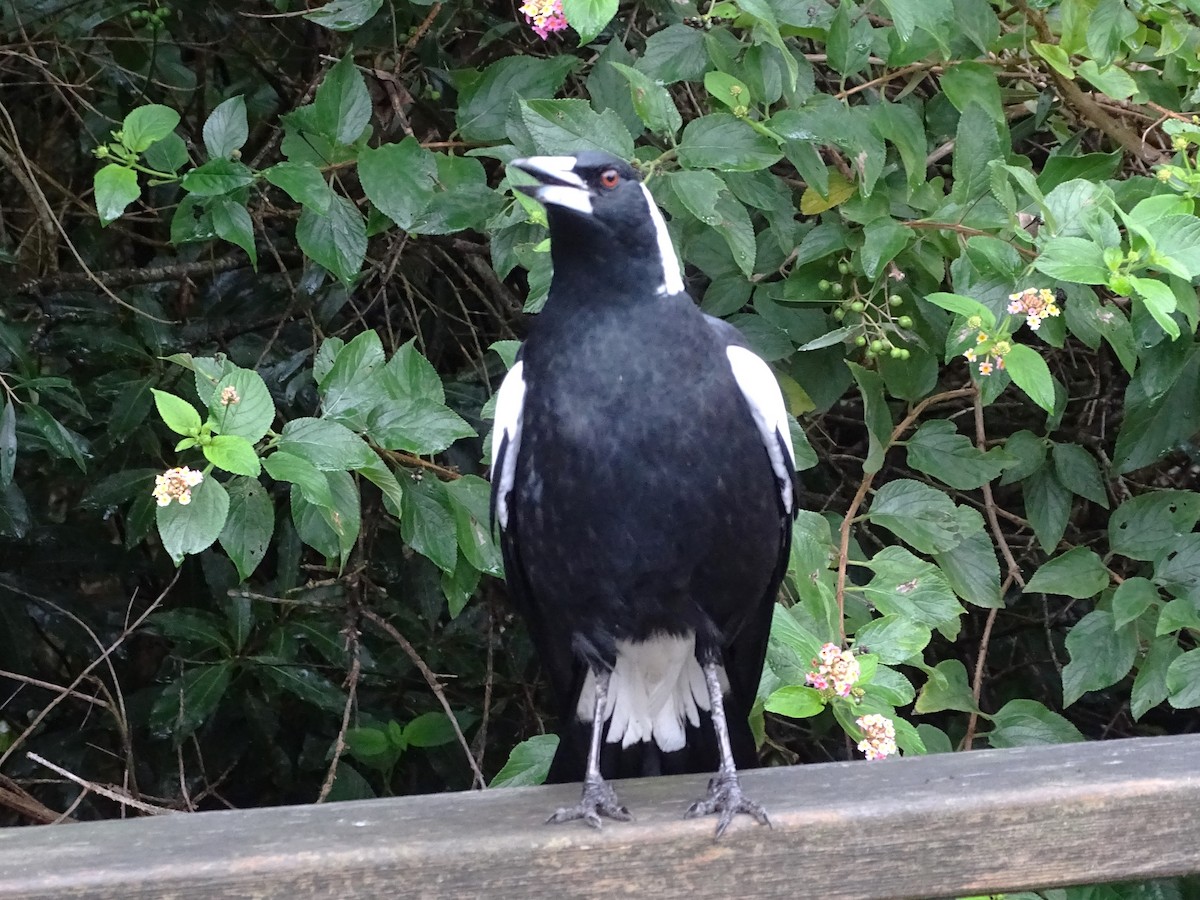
905,321
876,346
895,300
836,289
839,314
824,285
860,341
858,306
896,353
844,267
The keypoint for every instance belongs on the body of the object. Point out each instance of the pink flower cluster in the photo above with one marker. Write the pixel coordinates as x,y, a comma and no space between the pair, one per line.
544,16
879,736
835,670
1035,304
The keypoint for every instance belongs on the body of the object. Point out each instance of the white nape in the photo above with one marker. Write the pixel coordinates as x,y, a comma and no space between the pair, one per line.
656,688
672,279
506,438
761,390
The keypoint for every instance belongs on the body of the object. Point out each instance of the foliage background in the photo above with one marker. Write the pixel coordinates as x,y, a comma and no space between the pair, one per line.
309,202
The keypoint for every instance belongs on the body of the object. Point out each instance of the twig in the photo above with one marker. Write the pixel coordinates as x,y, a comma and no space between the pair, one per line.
35,682
115,278
102,658
112,793
434,685
339,745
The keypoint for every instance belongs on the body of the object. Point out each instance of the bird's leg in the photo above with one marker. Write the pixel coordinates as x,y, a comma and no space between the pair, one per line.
598,799
725,795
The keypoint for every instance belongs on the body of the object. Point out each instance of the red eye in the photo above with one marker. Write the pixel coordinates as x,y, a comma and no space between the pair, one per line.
610,178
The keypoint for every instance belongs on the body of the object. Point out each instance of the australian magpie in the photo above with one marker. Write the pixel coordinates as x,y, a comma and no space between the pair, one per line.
643,482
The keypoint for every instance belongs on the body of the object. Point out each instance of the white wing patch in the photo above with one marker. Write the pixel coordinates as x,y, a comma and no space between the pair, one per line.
506,439
657,688
761,391
672,281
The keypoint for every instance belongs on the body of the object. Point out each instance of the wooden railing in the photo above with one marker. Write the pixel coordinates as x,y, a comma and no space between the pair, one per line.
936,826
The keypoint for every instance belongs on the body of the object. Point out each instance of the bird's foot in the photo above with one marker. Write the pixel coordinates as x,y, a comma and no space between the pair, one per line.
599,799
725,798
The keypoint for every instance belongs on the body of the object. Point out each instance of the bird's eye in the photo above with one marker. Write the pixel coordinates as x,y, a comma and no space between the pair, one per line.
610,178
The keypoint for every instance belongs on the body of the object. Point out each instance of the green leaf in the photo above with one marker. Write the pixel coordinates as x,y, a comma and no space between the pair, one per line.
304,183
233,223
568,126
225,129
336,240
146,125
876,413
1047,506
431,729
882,240
972,82
729,91
1101,655
1183,681
947,688
353,384
484,97
1155,425
674,54
963,306
698,190
976,146
1056,56
529,762
8,443
903,128
306,685
284,466
217,177
1078,573
1132,598
1139,528
470,499
116,187
1150,685
342,108
233,454
1030,373
938,449
1178,237
721,141
189,702
197,631
168,154
1079,473
344,15
971,568
193,528
408,374
1073,259
399,179
1158,300
1111,80
330,530
894,639
249,526
917,514
913,589
177,414
1027,723
417,426
795,701
327,445
427,523
589,17
1177,568
652,102
251,414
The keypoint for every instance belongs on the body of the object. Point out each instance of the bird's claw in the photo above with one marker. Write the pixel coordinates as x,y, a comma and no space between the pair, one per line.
599,799
725,798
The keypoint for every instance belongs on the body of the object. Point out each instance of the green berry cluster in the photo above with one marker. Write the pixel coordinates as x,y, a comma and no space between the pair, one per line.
151,17
873,318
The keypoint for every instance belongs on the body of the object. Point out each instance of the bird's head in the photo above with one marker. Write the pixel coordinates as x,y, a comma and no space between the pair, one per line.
598,208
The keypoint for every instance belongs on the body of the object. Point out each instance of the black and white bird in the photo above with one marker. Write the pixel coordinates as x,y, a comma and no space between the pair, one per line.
643,483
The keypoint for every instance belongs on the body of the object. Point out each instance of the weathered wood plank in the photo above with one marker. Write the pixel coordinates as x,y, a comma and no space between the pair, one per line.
955,824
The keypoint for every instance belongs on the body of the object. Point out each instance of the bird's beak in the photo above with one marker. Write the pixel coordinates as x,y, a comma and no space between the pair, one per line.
558,184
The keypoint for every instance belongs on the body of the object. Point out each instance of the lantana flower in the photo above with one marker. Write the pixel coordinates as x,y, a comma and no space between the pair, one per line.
176,484
879,736
834,670
1035,304
545,16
